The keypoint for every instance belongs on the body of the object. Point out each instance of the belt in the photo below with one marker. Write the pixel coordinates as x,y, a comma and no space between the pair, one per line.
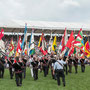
18,71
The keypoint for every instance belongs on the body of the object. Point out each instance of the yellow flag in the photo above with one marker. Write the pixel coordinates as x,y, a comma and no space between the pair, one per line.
54,44
39,42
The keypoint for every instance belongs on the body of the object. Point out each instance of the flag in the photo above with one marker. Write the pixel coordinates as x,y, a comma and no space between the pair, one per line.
42,45
24,42
79,42
31,44
25,37
2,45
64,40
54,45
87,47
69,45
1,34
70,40
25,50
67,52
50,44
11,48
18,50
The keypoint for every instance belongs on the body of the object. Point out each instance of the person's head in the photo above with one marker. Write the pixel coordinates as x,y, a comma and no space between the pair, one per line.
60,57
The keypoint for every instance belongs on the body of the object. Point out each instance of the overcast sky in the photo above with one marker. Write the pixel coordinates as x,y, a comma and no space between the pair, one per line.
46,10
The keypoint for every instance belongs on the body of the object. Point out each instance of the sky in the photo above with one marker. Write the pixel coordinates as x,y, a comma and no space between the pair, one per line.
45,10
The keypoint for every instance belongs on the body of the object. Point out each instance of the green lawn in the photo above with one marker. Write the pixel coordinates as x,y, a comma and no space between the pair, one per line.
80,81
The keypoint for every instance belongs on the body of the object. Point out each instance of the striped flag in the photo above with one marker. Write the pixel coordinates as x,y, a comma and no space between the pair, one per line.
42,45
31,44
11,48
64,41
79,43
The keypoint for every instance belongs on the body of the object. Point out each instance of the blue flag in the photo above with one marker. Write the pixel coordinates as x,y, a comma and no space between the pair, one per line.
25,33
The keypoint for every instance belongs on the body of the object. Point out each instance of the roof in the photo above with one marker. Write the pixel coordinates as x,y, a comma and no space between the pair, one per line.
18,26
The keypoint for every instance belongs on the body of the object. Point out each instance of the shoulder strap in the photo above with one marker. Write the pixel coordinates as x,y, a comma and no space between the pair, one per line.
60,63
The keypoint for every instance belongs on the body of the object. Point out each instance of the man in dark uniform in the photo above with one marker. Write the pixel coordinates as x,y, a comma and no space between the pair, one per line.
10,62
24,60
70,64
75,61
45,66
18,71
2,62
82,65
52,61
65,66
35,68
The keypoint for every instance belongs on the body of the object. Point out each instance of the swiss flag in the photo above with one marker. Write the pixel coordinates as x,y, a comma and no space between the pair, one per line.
1,34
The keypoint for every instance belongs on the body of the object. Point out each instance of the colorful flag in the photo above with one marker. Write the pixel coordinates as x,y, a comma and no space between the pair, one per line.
24,42
70,40
1,34
50,44
79,43
87,47
18,50
25,37
69,45
31,44
54,45
42,45
2,45
11,48
64,40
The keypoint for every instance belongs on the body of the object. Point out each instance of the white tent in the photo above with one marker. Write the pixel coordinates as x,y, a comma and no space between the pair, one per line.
18,26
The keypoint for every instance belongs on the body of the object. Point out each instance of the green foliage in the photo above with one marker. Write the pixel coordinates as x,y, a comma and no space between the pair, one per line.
80,81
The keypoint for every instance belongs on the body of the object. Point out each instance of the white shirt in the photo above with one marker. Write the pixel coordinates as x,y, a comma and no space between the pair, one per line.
58,66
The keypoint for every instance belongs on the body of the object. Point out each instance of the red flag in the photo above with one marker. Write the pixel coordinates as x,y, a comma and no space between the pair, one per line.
42,45
63,41
70,41
71,51
1,34
18,50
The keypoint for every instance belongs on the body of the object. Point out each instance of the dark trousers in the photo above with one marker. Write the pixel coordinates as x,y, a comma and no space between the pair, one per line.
60,73
18,77
70,69
76,66
53,75
45,70
1,72
83,68
35,72
11,73
66,69
24,72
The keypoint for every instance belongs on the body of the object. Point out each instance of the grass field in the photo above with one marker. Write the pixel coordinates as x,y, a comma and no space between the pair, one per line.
80,81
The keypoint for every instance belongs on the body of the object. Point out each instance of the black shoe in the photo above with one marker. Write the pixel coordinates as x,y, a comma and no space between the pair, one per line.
64,85
17,85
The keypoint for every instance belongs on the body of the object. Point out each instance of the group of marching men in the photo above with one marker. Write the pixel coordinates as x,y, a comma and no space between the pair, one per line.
57,64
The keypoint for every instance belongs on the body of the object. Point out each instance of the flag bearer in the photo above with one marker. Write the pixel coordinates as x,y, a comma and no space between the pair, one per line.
59,64
18,71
